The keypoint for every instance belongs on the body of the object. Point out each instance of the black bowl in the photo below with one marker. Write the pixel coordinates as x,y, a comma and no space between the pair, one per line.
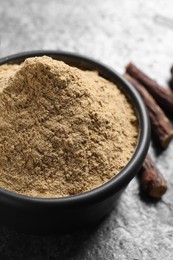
47,216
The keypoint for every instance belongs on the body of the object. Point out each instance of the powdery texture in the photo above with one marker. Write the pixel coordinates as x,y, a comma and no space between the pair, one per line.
63,131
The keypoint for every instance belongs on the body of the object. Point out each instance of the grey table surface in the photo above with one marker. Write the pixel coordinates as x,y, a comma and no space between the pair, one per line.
114,32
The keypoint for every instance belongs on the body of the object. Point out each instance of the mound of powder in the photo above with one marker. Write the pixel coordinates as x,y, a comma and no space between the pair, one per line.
63,131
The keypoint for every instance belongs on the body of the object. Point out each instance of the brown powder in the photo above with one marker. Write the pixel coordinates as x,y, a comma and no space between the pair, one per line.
63,131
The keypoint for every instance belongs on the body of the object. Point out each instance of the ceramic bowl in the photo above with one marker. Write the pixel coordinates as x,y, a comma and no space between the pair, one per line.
49,216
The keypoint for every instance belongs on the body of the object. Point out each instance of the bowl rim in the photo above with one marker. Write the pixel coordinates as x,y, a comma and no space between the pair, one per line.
119,181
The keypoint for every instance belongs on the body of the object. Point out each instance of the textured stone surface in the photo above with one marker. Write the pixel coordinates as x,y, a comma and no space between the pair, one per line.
114,32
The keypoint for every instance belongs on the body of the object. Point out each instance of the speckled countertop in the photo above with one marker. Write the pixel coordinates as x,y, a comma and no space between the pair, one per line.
114,32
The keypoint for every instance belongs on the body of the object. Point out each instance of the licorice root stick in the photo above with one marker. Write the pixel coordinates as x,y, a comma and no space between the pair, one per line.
161,125
163,96
152,181
172,73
